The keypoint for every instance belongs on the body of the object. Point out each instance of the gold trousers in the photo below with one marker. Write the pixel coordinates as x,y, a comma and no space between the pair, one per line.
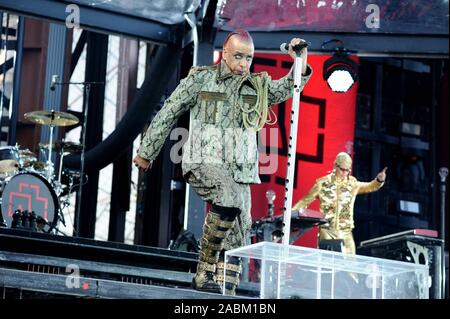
345,235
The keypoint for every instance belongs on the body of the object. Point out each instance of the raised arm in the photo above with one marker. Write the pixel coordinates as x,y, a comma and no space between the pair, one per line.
374,185
180,101
282,89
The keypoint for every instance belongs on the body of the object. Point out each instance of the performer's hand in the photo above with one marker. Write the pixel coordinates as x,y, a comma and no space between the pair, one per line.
142,164
381,177
304,52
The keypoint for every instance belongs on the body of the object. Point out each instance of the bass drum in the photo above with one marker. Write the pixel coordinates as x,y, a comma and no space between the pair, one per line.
31,192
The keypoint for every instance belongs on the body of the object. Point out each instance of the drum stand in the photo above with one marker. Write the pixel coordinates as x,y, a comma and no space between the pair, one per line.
50,166
50,175
58,185
86,89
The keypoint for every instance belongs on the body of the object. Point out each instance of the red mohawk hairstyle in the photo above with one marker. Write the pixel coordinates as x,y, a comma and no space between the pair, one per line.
241,33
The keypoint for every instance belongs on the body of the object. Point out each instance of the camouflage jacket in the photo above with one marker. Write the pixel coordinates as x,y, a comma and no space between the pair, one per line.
337,198
217,100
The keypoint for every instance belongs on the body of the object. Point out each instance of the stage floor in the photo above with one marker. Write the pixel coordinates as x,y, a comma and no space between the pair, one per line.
38,265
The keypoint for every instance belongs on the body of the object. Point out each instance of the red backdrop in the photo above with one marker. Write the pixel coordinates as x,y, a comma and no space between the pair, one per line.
326,127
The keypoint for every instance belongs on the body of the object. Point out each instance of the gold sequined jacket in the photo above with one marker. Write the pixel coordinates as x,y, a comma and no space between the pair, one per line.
337,198
219,102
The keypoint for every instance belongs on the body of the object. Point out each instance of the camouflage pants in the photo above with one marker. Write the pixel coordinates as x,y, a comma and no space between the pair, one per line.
215,185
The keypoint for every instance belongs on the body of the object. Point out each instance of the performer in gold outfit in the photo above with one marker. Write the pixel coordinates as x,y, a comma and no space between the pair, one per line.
337,193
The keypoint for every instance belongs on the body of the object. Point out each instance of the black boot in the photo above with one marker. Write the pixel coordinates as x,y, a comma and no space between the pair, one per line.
218,224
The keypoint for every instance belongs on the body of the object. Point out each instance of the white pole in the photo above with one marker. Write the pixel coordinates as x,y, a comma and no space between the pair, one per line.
292,145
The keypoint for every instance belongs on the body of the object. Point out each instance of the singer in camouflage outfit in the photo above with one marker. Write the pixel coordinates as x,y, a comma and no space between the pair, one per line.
228,105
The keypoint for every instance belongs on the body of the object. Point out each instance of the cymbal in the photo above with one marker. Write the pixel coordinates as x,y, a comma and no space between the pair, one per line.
70,147
51,118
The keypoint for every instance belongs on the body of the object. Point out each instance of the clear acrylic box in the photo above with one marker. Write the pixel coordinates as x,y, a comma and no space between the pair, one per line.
279,271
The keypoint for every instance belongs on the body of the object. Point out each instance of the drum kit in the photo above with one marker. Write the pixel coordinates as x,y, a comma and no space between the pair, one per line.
30,185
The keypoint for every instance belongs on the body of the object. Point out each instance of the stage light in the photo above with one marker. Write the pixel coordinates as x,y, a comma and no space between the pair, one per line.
270,195
340,71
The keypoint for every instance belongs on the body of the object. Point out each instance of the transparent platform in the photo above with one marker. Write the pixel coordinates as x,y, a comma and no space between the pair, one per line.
278,271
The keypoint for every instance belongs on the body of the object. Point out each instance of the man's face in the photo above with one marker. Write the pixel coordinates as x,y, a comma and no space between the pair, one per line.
238,55
341,171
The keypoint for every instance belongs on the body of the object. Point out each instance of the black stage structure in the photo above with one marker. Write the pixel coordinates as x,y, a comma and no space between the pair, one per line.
36,264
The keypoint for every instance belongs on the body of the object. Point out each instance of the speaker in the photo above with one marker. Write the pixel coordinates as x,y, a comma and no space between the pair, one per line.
332,244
